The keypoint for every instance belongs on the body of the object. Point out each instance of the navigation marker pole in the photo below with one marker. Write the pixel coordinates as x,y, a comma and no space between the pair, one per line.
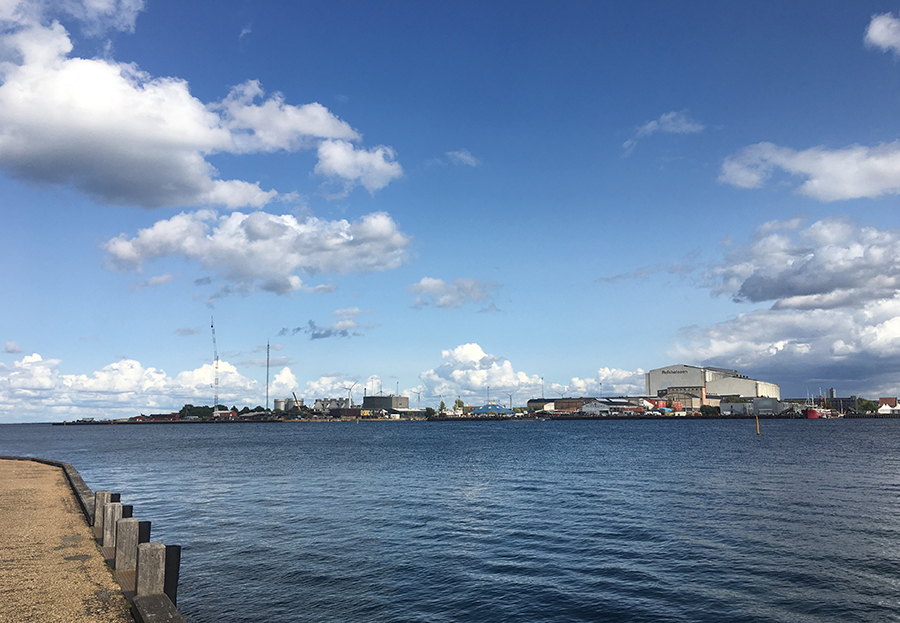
757,424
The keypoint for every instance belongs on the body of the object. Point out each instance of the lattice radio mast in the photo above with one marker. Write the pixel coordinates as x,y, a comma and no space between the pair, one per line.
212,325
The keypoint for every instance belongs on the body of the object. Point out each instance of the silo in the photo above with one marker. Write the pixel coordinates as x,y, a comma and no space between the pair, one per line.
281,404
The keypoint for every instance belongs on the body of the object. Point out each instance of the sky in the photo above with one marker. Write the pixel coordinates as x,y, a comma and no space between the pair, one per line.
485,201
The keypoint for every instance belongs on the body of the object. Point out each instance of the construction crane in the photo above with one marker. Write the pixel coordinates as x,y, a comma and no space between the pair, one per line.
297,401
212,325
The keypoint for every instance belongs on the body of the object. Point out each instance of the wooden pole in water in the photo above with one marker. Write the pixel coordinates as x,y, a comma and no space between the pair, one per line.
757,424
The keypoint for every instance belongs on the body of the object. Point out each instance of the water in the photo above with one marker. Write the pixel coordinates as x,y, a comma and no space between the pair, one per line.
510,521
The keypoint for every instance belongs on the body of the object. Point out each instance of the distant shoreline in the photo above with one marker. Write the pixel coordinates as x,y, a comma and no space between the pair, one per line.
464,419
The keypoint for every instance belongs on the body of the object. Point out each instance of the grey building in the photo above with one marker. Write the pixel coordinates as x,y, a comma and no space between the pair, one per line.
385,403
709,381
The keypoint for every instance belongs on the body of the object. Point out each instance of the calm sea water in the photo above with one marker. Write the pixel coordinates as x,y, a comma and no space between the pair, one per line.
511,521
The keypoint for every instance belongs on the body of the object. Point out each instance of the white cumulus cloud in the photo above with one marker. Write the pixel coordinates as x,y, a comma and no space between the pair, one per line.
125,137
274,125
261,251
373,169
884,32
834,262
95,16
831,174
336,385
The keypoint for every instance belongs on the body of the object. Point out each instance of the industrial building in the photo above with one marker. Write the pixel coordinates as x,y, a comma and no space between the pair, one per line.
600,407
707,384
758,406
326,405
386,403
285,404
556,404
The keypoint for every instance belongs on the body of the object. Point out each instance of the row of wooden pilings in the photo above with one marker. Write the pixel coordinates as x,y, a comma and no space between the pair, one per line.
127,547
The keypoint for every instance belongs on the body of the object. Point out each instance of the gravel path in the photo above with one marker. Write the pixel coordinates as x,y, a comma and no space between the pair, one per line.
51,569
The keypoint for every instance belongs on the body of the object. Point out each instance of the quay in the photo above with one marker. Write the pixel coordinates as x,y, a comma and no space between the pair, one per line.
56,561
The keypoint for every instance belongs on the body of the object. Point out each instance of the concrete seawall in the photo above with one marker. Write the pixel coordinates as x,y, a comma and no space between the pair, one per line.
52,571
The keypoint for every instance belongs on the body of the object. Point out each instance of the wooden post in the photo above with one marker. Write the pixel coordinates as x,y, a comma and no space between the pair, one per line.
101,498
112,513
126,544
151,569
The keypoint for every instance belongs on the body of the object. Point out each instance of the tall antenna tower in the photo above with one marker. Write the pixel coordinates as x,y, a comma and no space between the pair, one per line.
212,325
267,375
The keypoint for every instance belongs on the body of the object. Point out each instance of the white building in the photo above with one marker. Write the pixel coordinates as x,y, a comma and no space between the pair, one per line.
708,382
595,408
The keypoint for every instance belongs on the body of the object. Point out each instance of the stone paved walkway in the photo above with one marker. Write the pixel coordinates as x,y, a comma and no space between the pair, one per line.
51,569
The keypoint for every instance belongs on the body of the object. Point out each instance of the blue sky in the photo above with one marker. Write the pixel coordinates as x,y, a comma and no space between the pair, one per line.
442,198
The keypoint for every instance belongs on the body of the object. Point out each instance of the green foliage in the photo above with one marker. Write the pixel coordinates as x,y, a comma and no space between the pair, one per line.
709,410
429,412
442,407
189,410
867,406
204,412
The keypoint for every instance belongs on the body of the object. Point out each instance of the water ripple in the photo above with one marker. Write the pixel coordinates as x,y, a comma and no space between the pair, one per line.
497,521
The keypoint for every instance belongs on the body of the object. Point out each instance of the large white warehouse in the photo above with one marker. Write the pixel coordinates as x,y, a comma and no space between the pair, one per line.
711,382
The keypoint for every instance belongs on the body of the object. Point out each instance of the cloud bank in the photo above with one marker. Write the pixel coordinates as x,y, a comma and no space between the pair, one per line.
467,371
33,388
834,314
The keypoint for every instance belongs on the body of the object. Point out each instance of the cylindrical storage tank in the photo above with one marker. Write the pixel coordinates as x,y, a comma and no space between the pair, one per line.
280,404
